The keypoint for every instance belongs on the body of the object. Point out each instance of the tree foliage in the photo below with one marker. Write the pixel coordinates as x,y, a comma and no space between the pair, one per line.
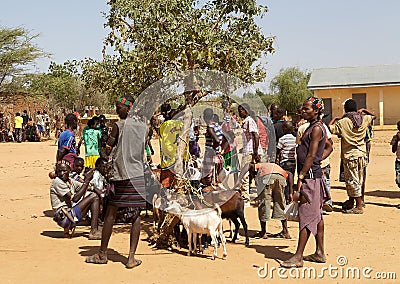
64,88
17,50
266,98
290,87
154,39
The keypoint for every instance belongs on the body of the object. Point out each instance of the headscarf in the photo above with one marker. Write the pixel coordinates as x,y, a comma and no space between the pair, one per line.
125,101
317,103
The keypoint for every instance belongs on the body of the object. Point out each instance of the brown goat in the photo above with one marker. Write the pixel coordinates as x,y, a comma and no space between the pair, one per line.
232,207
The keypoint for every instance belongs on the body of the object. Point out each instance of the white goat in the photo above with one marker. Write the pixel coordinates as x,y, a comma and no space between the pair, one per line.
204,221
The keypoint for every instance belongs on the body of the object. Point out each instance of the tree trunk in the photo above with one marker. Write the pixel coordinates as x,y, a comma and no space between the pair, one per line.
183,141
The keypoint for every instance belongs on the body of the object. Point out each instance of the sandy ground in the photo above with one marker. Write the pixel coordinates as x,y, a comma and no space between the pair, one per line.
32,249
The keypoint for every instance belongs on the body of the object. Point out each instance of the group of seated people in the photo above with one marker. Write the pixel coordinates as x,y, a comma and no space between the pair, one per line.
73,195
31,132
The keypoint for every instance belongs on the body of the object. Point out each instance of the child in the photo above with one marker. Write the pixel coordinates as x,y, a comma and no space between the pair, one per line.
79,165
396,149
98,182
92,138
105,132
66,141
286,150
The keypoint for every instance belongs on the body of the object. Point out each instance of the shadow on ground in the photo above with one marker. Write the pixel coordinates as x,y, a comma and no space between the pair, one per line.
112,255
384,193
60,234
272,252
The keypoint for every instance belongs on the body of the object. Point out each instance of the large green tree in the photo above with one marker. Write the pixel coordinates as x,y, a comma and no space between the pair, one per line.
17,51
154,39
290,87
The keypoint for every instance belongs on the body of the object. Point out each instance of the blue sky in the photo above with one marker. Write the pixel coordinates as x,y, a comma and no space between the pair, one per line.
309,33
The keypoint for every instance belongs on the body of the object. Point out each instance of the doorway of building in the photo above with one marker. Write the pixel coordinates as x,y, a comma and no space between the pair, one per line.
327,110
361,100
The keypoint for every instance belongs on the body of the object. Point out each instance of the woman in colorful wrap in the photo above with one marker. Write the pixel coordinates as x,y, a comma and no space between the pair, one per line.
127,146
312,191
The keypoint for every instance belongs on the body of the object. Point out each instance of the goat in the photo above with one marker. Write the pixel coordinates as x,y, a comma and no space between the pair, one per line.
157,212
204,221
232,207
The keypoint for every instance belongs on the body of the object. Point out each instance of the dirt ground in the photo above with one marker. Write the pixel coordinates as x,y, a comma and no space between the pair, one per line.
32,249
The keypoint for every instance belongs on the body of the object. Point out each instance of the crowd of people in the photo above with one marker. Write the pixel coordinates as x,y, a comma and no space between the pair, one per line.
274,151
28,127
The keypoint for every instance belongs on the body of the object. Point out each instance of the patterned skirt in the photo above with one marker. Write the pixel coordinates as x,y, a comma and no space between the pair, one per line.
212,164
128,193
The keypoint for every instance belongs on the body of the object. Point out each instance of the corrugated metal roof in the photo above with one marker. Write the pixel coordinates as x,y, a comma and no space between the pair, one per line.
363,76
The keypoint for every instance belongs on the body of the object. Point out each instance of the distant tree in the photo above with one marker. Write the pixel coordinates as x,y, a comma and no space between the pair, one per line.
290,87
104,77
64,88
17,50
266,98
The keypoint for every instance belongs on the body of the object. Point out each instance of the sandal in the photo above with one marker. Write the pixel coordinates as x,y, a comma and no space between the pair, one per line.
353,211
315,258
95,236
281,235
291,264
347,205
327,207
259,236
96,259
135,264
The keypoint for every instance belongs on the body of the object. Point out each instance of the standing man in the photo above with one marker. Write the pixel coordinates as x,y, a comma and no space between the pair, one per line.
251,145
127,146
18,121
25,119
3,129
39,123
352,128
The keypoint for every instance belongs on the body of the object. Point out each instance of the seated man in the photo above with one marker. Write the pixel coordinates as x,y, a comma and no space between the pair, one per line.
64,191
270,180
31,132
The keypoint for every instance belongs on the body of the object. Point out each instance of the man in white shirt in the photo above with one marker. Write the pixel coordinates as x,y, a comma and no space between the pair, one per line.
251,145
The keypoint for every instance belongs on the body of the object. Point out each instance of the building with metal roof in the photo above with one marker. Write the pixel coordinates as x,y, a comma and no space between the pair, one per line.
376,88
